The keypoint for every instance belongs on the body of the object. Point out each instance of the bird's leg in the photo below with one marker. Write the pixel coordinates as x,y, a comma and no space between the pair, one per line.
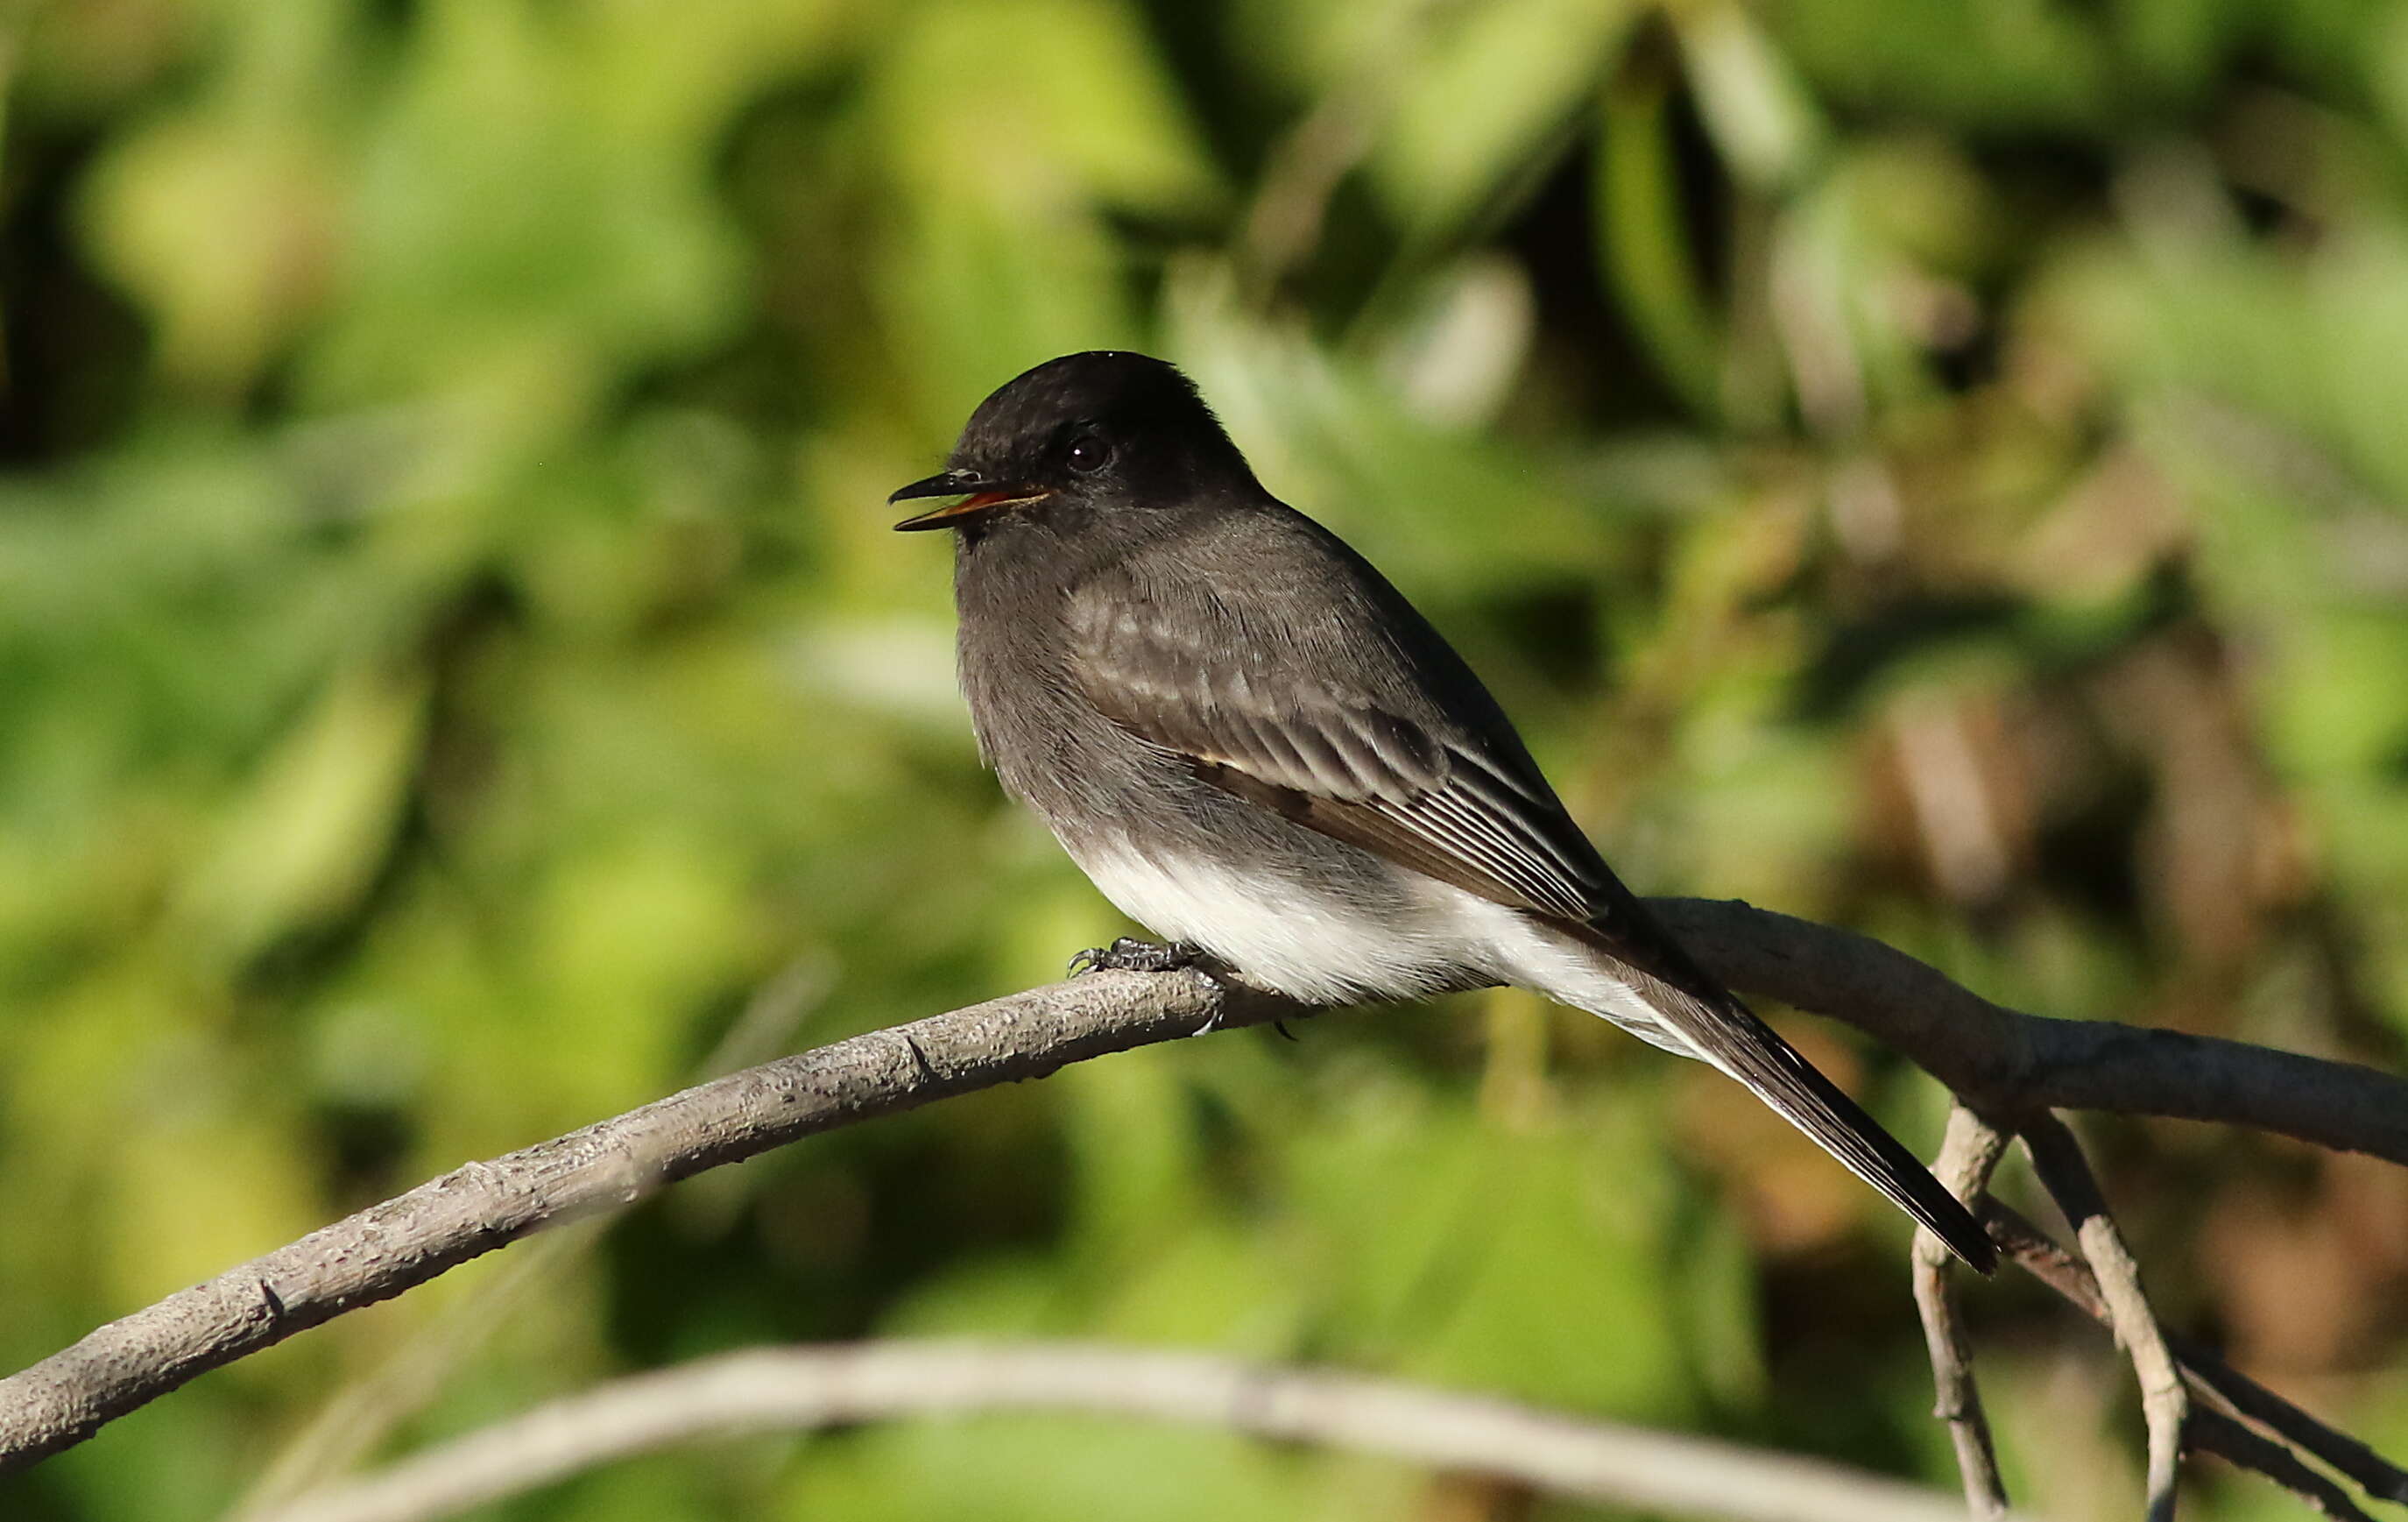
1130,955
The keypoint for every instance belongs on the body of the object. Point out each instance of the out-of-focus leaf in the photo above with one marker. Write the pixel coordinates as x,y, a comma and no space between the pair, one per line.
227,230
2026,64
225,218
314,829
1454,362
503,248
86,61
1640,232
1017,104
1492,83
1011,128
1747,96
1430,505
210,1178
1495,1259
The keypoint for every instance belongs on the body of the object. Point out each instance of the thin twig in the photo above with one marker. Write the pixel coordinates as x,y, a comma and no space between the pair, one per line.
2244,1397
802,1388
2041,1257
1968,1156
2213,1432
2001,1061
2165,1402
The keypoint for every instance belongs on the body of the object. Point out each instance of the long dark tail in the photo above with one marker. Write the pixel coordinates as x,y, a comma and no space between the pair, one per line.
1724,1032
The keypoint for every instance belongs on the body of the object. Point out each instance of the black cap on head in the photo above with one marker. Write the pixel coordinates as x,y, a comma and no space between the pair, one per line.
1106,428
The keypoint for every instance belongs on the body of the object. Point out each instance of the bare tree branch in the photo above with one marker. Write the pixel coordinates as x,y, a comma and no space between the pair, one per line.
388,1248
786,1389
2007,1063
2164,1403
2238,1394
2213,1432
2001,1061
2244,1397
1968,1156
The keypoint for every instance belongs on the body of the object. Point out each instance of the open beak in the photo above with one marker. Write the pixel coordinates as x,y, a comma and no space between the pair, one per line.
978,497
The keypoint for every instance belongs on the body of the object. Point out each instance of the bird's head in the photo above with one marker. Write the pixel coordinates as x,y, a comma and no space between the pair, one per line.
1098,433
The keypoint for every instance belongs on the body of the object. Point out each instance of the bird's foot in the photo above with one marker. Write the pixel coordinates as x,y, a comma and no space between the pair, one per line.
1130,955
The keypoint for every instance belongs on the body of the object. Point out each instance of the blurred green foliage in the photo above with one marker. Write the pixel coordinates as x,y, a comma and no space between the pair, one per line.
1931,467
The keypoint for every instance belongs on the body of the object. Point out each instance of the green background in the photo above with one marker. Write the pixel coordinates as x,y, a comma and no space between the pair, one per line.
1936,469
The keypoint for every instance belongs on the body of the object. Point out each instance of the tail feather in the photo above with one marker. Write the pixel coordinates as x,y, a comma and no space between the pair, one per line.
1725,1033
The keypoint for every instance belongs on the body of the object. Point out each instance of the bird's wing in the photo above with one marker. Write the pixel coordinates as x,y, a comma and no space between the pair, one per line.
1357,758
1240,679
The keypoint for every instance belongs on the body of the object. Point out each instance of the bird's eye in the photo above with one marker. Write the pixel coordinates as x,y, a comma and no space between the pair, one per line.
1089,452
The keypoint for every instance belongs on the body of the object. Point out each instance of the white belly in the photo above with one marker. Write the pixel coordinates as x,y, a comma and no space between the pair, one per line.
1322,948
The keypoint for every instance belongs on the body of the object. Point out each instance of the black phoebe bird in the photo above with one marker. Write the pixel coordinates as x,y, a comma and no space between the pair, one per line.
1254,746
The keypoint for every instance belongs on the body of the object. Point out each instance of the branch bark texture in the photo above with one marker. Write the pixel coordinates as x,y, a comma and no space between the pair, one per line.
1968,1156
1997,1060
